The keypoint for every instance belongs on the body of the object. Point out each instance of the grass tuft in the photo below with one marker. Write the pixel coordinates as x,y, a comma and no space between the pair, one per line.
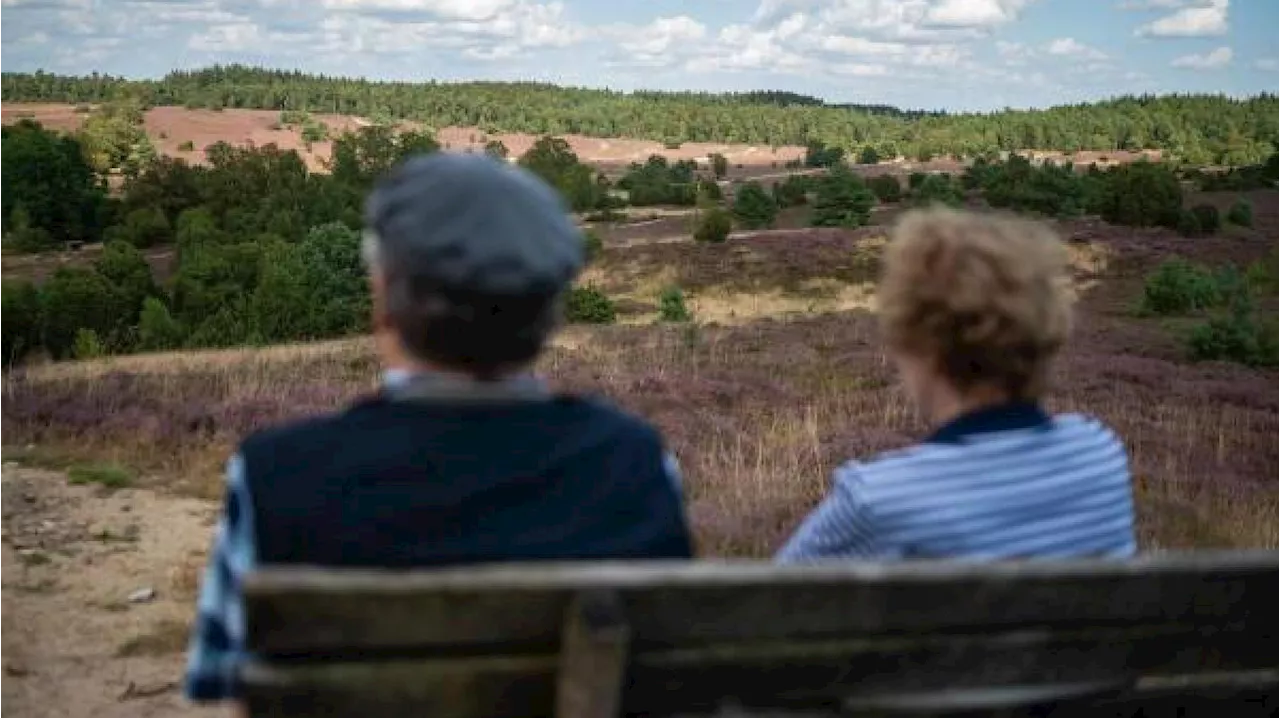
111,476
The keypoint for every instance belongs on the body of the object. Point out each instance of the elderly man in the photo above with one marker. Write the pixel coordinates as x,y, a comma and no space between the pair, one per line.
465,456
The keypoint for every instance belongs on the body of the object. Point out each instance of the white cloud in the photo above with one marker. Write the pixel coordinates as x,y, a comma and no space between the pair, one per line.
47,4
1267,64
662,37
474,10
848,45
740,47
857,69
1153,4
1201,20
1070,47
974,13
229,37
1211,60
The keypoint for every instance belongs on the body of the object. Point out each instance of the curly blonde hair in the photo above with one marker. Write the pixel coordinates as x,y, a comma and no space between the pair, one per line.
986,297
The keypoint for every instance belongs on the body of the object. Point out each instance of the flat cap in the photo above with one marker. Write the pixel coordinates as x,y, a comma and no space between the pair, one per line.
471,223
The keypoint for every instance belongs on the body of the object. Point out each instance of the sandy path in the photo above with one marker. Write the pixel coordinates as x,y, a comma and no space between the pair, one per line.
74,645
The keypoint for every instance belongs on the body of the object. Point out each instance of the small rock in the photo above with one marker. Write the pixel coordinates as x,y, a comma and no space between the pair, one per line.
29,498
48,525
15,670
126,508
142,595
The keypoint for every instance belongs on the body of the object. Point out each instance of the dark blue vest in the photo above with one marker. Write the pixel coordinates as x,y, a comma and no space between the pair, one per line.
399,484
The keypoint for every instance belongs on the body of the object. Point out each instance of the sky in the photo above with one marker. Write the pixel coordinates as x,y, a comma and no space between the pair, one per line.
918,54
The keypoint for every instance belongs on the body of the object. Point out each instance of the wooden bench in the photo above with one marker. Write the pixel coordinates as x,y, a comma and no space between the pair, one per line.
1171,635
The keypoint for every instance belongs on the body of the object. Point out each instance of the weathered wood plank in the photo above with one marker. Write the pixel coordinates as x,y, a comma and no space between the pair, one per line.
674,604
593,658
456,688
798,674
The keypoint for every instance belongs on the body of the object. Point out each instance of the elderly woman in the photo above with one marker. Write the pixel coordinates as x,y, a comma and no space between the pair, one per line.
974,308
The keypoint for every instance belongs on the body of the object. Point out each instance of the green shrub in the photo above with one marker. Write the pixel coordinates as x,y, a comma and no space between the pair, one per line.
111,476
604,215
794,190
753,207
230,326
1142,194
294,117
592,244
671,306
87,345
1207,218
709,191
1178,287
75,298
127,270
714,226
886,188
1188,224
915,179
1262,275
588,305
143,227
496,149
157,329
21,326
869,156
187,146
1241,213
314,132
817,154
937,189
1239,338
720,164
843,200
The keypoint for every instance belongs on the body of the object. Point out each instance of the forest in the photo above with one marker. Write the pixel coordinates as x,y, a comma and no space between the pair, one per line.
267,251
1194,129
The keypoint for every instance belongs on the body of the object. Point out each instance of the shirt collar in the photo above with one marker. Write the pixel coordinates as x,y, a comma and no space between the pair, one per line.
1002,417
403,384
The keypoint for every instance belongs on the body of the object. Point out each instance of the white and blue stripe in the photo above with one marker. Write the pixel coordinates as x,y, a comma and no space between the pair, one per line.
1001,483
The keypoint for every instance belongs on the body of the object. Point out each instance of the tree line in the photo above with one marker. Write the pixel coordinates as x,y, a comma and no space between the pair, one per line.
267,251
1196,129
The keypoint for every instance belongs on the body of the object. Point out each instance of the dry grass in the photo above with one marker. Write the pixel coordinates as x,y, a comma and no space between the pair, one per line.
759,409
165,638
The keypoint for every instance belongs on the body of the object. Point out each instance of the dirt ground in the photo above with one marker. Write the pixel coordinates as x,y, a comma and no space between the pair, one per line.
74,643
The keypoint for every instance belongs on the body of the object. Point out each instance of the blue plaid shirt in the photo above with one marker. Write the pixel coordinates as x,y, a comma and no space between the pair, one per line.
217,641
217,649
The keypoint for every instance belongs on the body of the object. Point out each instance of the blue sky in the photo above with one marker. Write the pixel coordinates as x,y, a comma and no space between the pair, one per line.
935,54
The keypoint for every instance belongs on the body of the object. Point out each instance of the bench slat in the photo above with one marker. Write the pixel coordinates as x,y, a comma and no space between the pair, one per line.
681,604
793,673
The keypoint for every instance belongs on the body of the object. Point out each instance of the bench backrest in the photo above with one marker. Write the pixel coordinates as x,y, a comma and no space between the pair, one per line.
600,639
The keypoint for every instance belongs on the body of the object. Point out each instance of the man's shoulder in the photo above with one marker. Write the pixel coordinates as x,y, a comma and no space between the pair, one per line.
600,409
571,410
304,429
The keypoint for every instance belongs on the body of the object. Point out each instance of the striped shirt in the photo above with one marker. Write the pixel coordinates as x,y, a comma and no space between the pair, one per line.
1000,483
217,647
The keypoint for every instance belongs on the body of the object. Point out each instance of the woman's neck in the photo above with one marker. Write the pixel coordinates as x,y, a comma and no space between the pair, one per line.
950,405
